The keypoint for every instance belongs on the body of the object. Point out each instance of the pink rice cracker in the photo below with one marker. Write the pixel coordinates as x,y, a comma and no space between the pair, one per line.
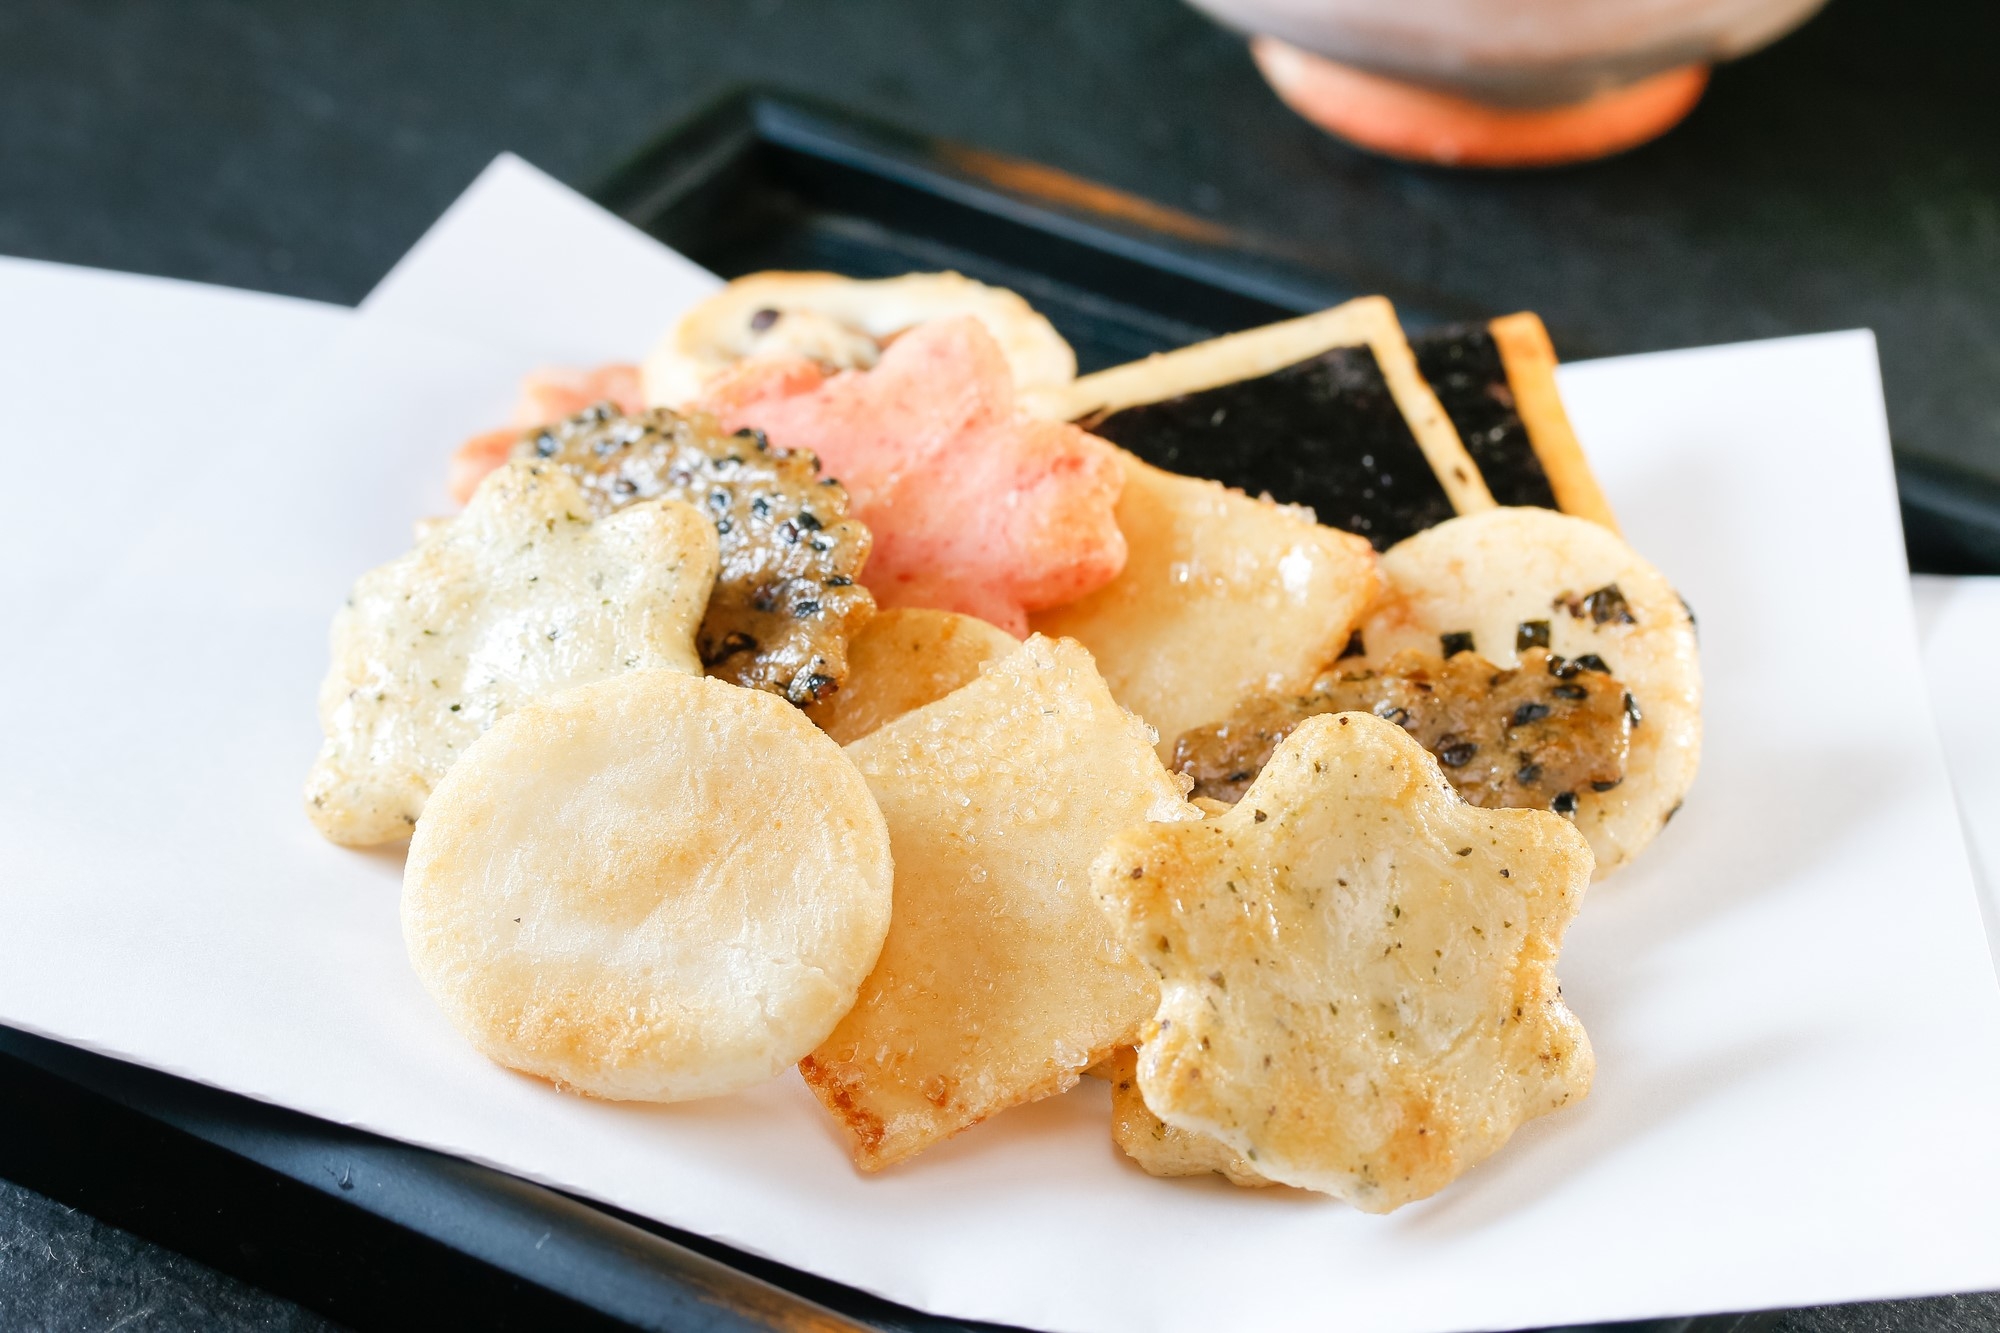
974,509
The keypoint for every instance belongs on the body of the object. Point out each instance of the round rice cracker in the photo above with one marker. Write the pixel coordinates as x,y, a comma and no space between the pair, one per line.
654,887
1490,573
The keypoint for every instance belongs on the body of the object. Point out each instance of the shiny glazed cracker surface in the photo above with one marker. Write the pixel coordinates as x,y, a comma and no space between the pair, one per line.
1488,576
905,658
1357,968
1222,596
1527,737
786,600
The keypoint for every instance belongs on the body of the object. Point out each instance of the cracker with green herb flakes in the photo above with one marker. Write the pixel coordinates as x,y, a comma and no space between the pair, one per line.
520,596
1161,1149
1357,968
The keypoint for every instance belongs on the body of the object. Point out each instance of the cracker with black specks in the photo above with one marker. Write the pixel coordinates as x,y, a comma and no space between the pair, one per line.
786,600
520,596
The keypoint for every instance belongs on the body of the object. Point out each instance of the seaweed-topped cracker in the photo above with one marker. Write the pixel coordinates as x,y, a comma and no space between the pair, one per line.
1327,411
1497,383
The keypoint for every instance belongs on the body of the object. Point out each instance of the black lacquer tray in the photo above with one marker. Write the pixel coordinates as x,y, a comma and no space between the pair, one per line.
377,1234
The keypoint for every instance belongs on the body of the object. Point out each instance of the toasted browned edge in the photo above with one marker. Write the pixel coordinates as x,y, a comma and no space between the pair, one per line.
862,1128
1366,320
1530,362
865,1133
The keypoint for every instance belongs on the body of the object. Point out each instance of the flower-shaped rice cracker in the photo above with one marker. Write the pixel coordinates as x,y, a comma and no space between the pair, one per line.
1357,984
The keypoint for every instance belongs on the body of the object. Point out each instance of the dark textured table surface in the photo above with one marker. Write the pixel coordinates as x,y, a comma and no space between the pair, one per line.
1849,176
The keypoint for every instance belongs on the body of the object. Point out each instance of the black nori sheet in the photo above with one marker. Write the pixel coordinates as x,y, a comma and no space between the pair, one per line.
1463,365
1324,432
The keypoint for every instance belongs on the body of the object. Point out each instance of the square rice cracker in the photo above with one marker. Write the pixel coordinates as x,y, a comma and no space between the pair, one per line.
1368,321
1156,1147
1001,979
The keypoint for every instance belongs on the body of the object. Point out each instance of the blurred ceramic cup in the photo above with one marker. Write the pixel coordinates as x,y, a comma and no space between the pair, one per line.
1499,83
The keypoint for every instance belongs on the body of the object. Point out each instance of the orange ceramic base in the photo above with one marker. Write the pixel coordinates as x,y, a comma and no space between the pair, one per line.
1421,124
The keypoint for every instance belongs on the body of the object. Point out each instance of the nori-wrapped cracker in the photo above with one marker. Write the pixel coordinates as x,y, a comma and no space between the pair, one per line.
1497,383
1462,362
1328,410
1324,432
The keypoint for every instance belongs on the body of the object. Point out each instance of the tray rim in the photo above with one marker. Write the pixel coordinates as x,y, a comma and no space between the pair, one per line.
1950,514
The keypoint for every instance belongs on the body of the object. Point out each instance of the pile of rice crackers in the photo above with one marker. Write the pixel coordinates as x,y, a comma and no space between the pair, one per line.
852,687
